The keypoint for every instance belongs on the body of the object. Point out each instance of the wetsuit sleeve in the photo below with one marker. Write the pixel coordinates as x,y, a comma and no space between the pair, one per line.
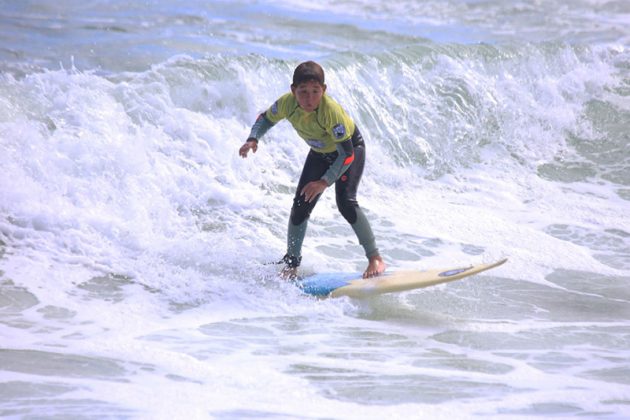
345,157
340,128
260,127
280,109
276,112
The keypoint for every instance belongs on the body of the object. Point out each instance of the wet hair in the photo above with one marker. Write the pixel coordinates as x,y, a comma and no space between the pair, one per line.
309,70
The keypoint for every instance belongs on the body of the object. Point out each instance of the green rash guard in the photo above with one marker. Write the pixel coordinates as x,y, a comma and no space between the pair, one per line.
324,129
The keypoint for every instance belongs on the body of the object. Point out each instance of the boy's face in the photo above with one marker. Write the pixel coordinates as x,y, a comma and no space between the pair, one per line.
309,94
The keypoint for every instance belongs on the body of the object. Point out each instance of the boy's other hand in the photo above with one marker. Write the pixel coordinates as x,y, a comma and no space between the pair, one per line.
249,145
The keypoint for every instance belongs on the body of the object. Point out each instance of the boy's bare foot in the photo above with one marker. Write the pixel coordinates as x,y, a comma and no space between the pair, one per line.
376,267
288,273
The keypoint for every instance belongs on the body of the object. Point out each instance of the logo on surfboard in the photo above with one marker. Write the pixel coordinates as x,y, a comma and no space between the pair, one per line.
454,272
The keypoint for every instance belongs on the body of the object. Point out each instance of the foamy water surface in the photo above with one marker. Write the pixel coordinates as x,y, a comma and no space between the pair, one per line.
134,239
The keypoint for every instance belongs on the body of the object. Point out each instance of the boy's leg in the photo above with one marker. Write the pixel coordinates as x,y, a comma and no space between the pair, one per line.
314,168
346,194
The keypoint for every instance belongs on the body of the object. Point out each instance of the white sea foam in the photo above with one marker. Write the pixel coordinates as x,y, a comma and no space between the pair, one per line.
133,236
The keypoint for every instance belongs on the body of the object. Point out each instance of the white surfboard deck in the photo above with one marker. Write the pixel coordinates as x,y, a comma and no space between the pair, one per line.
352,285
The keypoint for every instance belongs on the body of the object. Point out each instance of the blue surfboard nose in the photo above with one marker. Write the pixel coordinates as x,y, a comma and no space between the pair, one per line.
323,284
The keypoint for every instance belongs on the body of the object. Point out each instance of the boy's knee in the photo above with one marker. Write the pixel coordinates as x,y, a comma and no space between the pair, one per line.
300,212
347,208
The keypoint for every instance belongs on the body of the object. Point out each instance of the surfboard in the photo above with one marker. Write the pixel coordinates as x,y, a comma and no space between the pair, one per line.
352,285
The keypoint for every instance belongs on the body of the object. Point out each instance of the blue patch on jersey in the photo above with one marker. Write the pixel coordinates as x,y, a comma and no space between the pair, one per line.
274,108
339,131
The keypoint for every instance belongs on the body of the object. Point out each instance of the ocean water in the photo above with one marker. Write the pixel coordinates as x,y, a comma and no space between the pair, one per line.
133,238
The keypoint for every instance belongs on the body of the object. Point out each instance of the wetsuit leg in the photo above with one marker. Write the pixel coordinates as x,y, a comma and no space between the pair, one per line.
314,168
347,185
346,194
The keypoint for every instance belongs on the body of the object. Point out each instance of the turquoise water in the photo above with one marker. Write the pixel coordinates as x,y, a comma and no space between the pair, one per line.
133,238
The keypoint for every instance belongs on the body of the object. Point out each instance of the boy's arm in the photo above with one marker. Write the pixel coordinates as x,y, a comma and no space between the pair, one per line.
341,127
345,157
260,127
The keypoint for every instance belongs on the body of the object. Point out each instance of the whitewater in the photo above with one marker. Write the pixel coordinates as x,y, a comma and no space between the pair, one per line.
135,242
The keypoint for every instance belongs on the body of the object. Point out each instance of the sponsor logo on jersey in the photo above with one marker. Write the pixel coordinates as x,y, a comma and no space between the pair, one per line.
315,143
339,131
274,108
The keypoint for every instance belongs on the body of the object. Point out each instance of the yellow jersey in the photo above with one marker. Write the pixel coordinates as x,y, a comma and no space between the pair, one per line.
321,129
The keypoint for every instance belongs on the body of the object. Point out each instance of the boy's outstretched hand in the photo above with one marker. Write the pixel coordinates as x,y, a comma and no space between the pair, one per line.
245,148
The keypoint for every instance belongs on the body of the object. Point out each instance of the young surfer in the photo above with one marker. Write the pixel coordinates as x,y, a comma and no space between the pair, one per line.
337,156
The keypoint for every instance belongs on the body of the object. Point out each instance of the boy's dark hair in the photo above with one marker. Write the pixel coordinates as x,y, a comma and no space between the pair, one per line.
309,70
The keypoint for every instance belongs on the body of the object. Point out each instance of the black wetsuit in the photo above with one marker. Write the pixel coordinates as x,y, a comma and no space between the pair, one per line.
337,156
